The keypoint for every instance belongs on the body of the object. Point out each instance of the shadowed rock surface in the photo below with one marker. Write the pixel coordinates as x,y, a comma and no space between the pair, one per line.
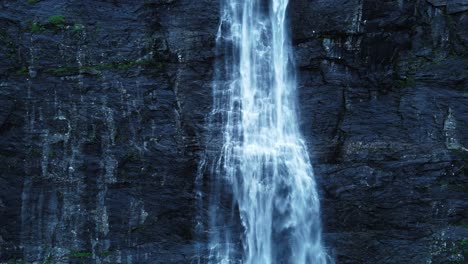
102,127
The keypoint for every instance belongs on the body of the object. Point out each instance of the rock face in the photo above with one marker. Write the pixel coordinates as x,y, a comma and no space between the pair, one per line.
103,109
383,90
102,127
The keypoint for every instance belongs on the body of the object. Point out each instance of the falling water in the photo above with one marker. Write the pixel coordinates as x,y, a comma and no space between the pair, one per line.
264,207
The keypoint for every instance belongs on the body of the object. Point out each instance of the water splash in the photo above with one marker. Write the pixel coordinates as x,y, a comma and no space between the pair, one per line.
263,166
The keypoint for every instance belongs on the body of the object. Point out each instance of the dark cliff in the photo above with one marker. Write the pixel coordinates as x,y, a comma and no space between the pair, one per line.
103,111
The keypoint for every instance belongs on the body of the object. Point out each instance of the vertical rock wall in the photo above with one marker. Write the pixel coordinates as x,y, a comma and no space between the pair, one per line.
383,90
102,124
103,107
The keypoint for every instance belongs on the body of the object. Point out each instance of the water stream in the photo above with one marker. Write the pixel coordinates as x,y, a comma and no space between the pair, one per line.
263,203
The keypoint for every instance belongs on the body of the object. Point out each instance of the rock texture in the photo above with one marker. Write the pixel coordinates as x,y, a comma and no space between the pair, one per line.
383,90
103,109
102,127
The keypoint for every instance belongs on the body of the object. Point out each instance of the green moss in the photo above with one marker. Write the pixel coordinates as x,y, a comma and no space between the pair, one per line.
37,28
131,155
57,21
32,1
48,260
443,184
52,22
22,71
62,70
138,228
100,67
463,243
79,254
122,65
406,83
461,153
35,152
159,65
125,65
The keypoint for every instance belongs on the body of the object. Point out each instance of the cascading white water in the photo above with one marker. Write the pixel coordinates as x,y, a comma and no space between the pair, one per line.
263,165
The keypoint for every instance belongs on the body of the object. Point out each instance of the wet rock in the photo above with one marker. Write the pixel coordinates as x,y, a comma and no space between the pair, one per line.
390,146
102,127
456,6
438,2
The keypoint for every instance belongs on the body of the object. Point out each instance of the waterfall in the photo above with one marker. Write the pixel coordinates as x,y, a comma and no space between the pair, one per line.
263,202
